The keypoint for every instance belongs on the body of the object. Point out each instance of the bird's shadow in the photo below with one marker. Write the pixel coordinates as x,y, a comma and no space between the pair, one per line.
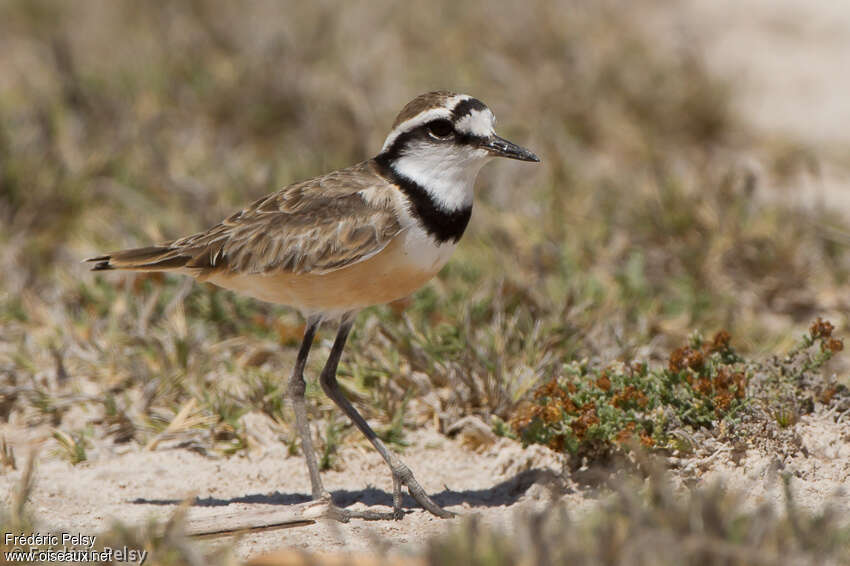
503,493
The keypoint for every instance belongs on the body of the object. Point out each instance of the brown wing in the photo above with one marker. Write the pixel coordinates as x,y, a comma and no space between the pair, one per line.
310,227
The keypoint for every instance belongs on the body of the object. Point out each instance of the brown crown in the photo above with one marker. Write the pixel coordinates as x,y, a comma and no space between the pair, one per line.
434,99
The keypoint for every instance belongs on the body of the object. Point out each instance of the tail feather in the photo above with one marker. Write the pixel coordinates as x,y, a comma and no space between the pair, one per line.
151,258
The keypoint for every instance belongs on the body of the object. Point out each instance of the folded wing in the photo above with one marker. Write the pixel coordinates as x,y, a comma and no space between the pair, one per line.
314,226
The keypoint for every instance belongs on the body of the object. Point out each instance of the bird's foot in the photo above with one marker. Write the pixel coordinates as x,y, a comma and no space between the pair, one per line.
324,508
403,476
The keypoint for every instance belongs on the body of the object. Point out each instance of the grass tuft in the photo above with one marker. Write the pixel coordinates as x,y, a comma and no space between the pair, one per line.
72,446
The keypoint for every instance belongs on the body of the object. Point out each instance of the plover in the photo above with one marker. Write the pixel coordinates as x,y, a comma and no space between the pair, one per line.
364,235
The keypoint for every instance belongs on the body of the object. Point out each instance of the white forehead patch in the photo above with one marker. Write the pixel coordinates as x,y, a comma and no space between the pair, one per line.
477,123
424,118
415,122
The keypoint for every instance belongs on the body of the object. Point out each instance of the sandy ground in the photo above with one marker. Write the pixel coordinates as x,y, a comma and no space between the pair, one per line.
789,61
139,485
792,58
496,482
818,463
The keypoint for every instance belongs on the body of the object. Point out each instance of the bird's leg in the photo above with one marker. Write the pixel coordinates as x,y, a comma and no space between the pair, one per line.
401,473
296,390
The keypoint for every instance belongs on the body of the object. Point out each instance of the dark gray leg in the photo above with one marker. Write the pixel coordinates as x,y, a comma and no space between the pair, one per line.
401,473
296,390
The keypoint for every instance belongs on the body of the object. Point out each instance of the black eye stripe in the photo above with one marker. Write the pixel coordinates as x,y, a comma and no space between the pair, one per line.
465,107
420,133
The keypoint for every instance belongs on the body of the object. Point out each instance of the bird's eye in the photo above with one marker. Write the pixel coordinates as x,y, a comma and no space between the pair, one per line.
440,129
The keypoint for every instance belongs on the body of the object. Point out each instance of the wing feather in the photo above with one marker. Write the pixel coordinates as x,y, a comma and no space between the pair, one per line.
314,226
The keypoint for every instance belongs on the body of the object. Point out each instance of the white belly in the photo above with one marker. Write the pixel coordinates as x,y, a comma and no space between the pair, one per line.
422,252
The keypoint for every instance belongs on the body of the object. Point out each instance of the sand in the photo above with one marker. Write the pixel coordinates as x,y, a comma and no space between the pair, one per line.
495,482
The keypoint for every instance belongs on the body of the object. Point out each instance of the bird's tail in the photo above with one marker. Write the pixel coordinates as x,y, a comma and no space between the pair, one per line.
151,258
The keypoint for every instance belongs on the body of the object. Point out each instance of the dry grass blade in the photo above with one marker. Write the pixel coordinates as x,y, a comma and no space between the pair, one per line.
21,493
239,522
166,544
187,418
7,455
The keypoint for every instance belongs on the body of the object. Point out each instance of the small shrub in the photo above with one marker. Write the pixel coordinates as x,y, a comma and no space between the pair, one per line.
589,411
787,387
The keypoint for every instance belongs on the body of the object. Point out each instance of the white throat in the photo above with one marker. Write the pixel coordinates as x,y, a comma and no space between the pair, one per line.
446,172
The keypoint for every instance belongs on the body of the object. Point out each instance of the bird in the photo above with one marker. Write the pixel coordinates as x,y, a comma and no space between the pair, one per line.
330,246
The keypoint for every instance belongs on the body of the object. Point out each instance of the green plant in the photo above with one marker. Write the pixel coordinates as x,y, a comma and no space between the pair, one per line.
394,433
786,387
330,443
72,446
590,410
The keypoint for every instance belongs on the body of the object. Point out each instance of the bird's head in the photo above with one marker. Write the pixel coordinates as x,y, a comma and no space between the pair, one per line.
440,140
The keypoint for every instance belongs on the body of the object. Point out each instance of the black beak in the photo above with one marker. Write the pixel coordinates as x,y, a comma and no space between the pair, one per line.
503,148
